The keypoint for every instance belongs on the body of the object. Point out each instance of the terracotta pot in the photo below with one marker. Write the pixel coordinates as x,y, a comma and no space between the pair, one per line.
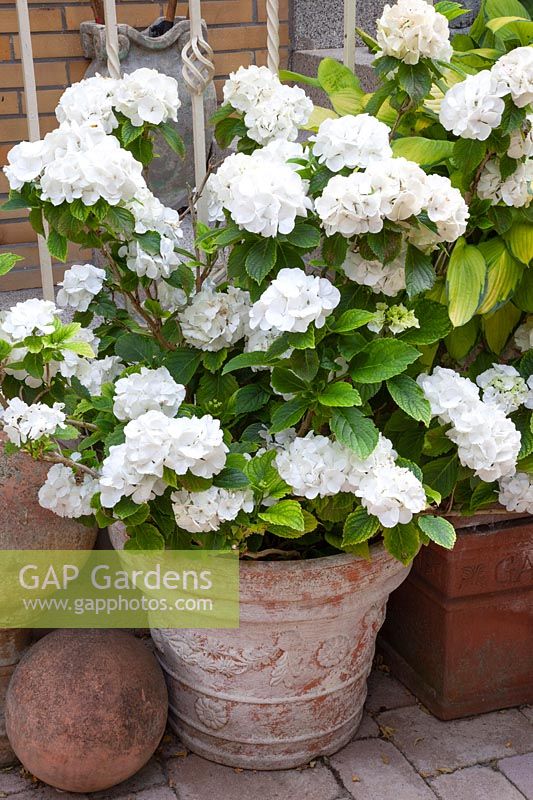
169,175
24,525
290,683
459,632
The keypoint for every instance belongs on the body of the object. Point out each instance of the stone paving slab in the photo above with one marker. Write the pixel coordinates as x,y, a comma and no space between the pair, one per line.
395,755
147,778
375,770
519,770
527,711
430,744
194,778
368,728
475,783
386,693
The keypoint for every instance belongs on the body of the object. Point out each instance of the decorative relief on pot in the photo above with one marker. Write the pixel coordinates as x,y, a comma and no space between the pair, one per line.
215,658
212,713
473,575
333,651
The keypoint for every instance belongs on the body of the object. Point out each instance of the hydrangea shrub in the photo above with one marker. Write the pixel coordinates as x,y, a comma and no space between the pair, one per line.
364,365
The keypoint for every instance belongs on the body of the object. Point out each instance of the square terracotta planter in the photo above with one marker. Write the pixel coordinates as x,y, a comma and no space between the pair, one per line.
459,630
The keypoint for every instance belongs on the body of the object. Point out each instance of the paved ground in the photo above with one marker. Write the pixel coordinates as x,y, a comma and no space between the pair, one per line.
400,752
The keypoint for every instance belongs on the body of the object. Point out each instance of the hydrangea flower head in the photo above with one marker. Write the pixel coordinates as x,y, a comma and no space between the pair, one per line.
412,29
64,495
80,284
147,390
23,423
200,512
293,301
473,108
147,95
215,320
351,141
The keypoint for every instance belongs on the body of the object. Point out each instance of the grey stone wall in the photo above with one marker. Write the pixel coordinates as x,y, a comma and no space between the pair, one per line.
318,24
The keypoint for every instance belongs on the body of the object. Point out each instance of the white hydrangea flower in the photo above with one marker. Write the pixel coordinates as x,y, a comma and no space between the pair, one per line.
282,150
80,284
411,30
395,319
93,373
214,320
472,108
350,205
401,186
383,455
513,73
154,441
248,86
487,441
392,494
29,317
293,301
153,266
445,207
516,493
514,191
524,336
271,109
70,365
23,423
89,101
388,279
151,215
313,466
278,115
503,385
84,163
262,196
147,390
259,341
170,297
351,141
521,143
448,393
147,95
25,162
62,494
200,512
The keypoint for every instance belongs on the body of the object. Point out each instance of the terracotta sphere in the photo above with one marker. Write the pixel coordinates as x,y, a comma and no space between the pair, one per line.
86,709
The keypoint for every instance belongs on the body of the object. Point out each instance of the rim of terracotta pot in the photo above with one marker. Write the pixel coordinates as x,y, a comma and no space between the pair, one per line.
143,38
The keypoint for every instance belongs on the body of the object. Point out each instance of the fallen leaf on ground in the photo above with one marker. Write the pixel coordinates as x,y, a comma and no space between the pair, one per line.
385,759
387,732
444,770
355,778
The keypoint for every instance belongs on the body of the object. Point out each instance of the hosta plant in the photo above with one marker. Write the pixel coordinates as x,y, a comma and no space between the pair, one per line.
362,365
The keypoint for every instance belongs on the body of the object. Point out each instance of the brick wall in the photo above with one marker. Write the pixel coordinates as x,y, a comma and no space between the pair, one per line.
237,34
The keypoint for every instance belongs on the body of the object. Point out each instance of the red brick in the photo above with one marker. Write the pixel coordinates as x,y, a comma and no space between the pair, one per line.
243,37
16,233
9,102
60,44
228,62
47,73
5,48
47,100
283,10
41,19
